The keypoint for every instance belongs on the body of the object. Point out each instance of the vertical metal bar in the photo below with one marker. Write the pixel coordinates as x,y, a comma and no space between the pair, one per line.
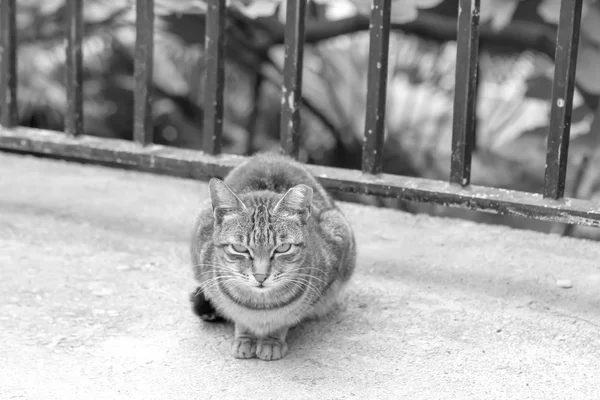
565,62
377,75
292,79
8,63
465,104
144,59
215,75
74,76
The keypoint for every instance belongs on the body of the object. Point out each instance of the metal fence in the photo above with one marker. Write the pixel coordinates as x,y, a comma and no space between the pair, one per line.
142,154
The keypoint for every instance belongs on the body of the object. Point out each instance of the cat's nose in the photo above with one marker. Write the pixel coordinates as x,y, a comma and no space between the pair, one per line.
260,277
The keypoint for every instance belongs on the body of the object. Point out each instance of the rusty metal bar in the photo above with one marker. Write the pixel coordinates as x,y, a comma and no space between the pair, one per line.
372,156
74,68
195,164
565,63
215,76
144,59
292,80
8,63
465,104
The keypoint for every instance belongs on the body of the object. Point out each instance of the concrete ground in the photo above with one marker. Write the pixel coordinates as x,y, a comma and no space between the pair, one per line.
95,281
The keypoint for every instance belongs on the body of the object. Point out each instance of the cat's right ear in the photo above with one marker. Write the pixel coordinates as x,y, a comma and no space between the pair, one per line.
224,201
296,201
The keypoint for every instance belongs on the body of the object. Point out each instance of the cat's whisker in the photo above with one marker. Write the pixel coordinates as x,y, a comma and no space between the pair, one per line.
224,277
215,278
309,269
308,284
206,265
296,284
232,282
213,275
215,266
231,270
222,268
302,275
316,292
312,277
211,282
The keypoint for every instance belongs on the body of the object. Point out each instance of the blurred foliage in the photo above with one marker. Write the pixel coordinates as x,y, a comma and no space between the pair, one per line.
515,79
498,13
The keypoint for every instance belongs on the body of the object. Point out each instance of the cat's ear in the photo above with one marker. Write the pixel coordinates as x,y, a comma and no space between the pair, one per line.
223,199
297,201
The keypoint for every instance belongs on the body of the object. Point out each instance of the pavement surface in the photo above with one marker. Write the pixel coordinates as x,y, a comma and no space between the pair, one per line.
95,277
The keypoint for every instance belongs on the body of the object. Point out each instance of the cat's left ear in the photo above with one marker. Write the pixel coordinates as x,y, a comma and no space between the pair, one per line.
297,201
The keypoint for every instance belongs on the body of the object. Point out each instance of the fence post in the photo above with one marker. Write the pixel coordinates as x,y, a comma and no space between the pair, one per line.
377,74
292,76
144,59
8,63
565,63
214,46
465,92
74,67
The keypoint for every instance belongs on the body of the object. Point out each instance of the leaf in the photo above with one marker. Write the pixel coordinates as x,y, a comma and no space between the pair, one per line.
539,87
498,12
588,57
590,25
504,13
427,3
549,10
260,8
588,73
407,10
338,9
404,11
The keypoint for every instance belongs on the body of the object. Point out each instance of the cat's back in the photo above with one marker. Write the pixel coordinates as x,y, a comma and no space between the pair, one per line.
276,173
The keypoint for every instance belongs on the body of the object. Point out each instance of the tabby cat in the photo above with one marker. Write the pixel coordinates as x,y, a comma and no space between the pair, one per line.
270,250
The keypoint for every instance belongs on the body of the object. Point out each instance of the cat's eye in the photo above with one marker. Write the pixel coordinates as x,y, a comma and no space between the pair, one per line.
238,248
283,248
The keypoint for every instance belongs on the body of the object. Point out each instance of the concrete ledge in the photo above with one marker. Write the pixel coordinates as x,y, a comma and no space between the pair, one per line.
95,278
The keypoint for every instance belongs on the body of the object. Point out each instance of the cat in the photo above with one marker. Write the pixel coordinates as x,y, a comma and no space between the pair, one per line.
270,249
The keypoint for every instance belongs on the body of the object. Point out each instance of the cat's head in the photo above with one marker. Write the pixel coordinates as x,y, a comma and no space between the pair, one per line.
260,241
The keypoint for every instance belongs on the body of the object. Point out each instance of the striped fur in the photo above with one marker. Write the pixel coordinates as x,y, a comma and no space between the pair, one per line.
263,206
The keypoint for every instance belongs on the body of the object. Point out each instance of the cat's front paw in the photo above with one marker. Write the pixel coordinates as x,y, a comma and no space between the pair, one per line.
243,347
270,349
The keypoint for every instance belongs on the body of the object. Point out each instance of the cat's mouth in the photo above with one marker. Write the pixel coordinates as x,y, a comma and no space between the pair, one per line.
261,287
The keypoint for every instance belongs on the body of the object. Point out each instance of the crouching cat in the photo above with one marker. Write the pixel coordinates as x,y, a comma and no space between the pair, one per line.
271,250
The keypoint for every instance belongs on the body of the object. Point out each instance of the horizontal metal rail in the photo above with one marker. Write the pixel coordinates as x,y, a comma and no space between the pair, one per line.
200,165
